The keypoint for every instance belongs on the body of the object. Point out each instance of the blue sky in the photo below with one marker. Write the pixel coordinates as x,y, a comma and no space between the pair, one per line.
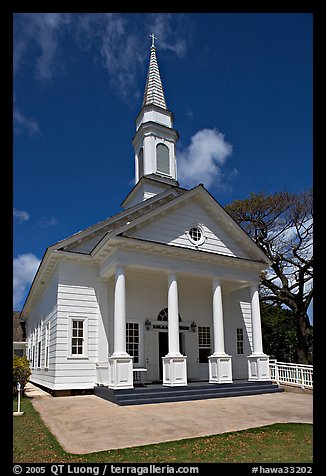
239,86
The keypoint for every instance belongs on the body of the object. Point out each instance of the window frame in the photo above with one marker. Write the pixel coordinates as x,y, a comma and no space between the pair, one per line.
201,230
239,341
84,354
141,328
159,171
133,345
202,346
47,346
39,350
34,349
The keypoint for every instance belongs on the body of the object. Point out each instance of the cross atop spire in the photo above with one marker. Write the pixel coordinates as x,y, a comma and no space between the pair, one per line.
153,39
154,90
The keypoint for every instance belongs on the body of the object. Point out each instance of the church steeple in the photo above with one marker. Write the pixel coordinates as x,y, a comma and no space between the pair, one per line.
155,138
154,90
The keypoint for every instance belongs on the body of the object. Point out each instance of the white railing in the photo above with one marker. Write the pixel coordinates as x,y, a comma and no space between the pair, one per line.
299,375
102,373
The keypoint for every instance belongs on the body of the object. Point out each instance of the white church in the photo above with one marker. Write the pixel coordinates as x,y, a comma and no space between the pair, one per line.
163,292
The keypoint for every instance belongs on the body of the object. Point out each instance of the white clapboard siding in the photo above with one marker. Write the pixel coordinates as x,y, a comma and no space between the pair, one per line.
172,229
46,376
45,310
76,298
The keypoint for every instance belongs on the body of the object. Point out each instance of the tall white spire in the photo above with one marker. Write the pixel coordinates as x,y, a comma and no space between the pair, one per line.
154,90
154,141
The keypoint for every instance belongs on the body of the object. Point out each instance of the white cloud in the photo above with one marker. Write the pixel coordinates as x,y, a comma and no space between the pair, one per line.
120,44
190,114
41,30
24,269
46,221
20,215
121,54
36,35
170,30
27,123
112,38
202,160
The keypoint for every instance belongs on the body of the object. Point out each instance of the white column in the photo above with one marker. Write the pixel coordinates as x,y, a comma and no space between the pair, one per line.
257,342
218,319
120,363
174,363
173,316
220,367
258,362
120,313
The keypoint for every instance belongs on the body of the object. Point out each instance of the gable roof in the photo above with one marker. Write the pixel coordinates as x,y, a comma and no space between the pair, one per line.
211,205
84,241
173,228
90,241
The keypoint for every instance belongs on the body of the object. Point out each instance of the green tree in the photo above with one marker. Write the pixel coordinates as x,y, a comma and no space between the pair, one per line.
21,372
282,227
279,333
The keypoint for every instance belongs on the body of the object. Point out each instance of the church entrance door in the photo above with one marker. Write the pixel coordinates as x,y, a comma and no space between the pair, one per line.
163,349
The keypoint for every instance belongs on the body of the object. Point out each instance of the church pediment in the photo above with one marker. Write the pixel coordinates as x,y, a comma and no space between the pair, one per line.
195,221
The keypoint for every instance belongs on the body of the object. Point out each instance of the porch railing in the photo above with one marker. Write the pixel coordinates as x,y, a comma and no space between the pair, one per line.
299,375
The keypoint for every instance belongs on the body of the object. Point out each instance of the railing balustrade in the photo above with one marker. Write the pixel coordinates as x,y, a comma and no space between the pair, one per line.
300,375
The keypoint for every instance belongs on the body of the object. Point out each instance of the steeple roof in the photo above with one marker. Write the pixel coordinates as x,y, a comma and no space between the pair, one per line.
154,90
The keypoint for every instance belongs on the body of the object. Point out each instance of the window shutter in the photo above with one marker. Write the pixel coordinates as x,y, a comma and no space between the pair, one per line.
163,160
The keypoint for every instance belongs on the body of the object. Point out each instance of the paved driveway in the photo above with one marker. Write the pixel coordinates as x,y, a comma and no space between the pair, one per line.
85,424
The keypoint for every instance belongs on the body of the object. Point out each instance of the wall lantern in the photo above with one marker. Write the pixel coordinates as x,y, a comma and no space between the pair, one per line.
193,327
148,324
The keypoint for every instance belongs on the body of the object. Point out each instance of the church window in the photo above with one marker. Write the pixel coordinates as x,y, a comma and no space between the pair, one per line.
77,342
240,341
132,340
163,315
140,163
196,235
78,337
47,345
163,159
39,346
204,343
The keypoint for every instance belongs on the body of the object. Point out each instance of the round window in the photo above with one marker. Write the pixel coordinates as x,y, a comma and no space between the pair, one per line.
196,235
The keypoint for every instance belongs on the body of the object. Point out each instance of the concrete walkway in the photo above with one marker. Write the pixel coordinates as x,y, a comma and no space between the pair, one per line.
85,424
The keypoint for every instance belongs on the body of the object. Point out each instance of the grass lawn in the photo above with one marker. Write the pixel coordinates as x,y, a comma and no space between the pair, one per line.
279,443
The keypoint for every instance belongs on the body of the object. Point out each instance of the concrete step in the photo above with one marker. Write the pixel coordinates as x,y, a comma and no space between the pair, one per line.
149,388
158,394
187,391
179,398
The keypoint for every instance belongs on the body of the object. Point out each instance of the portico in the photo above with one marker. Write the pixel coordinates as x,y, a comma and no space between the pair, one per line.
194,301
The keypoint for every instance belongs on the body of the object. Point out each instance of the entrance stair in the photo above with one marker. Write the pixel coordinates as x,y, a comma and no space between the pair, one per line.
156,393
